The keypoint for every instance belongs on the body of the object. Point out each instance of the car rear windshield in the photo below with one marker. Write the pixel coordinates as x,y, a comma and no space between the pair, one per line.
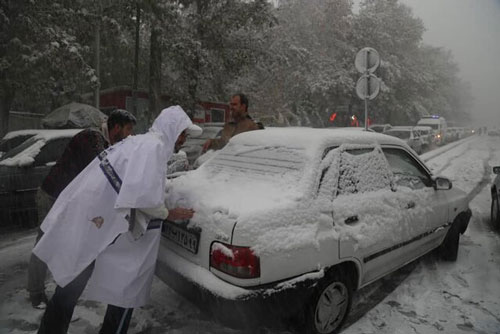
8,144
435,126
399,134
259,161
18,149
377,128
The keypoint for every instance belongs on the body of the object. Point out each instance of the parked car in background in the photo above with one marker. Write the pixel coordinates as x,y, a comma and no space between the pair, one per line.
178,163
438,125
380,128
425,133
22,170
495,199
304,217
455,133
451,135
469,131
409,135
14,138
193,146
494,132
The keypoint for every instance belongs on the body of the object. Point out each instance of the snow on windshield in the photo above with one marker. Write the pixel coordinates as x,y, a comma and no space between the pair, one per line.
435,126
262,162
399,134
241,179
25,153
362,170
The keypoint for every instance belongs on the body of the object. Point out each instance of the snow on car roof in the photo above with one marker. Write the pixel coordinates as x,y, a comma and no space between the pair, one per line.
48,134
27,156
309,139
422,127
16,133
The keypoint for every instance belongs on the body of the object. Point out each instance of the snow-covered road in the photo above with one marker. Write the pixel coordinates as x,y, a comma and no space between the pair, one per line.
427,296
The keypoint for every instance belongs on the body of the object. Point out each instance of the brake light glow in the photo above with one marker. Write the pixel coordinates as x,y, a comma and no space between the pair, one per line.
236,261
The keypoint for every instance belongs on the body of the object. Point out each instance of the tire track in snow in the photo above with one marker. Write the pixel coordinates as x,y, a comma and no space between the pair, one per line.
486,177
452,159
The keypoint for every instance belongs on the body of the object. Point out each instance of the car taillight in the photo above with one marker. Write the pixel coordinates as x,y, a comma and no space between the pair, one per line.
236,261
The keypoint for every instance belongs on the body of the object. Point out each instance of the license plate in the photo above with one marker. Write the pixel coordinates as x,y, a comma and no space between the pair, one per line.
188,239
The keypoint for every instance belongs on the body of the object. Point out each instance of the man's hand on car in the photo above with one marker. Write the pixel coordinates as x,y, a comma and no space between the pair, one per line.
207,145
180,214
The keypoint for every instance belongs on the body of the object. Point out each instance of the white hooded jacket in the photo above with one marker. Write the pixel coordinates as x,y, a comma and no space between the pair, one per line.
89,215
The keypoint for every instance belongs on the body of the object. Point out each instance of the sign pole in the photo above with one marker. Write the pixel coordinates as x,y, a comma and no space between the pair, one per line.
366,113
368,86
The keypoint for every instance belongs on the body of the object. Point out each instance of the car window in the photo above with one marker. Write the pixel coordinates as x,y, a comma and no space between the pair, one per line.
8,144
363,170
51,151
18,149
407,171
399,134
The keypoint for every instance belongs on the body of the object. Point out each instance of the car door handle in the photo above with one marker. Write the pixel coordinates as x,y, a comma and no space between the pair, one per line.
351,220
410,205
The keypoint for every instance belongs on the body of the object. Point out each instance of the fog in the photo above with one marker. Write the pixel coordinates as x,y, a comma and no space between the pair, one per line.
471,30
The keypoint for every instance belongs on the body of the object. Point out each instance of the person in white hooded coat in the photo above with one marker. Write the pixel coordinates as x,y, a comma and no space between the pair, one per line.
98,233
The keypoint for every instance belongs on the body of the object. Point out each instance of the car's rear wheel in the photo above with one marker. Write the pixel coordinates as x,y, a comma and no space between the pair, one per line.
329,304
449,247
495,211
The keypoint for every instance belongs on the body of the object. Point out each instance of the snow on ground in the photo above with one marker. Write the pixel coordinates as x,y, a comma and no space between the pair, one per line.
427,296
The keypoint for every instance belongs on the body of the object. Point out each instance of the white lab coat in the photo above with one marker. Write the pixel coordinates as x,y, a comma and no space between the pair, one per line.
89,215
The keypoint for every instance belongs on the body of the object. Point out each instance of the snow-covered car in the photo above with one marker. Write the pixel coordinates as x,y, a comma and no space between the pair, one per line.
380,128
409,135
290,222
425,133
177,164
22,170
495,199
194,145
14,138
494,132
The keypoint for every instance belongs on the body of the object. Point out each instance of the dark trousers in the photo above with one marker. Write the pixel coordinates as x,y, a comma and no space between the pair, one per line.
60,309
37,271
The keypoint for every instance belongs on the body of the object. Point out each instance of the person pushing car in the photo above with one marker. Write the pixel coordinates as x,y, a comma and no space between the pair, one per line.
104,229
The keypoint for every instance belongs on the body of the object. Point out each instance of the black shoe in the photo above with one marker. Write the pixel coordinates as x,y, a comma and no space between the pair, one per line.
39,300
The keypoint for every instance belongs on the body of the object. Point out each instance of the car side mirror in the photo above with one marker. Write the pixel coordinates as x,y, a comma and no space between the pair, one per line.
442,183
496,169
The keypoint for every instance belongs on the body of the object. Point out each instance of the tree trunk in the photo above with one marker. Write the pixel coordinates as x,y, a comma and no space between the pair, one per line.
6,98
154,76
195,67
135,84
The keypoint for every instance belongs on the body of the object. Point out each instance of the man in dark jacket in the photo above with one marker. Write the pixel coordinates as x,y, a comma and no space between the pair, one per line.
242,122
79,152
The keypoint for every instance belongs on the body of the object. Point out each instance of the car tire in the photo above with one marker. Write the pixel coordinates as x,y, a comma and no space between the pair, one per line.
329,305
449,247
495,211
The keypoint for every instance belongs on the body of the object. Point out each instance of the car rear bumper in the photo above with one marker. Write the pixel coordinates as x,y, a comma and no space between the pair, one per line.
270,305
